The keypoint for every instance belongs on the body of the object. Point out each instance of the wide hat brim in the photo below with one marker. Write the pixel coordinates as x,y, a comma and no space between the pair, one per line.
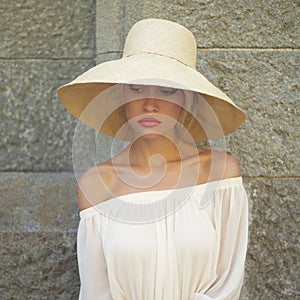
79,95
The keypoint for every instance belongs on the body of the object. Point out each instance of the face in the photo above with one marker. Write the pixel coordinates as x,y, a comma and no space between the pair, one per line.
152,109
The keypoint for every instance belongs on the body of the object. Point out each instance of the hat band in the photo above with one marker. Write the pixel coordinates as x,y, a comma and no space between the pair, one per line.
160,54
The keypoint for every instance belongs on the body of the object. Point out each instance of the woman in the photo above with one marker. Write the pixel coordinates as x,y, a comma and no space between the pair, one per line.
163,219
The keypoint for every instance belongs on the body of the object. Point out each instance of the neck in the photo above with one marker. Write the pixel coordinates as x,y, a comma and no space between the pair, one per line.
152,161
158,150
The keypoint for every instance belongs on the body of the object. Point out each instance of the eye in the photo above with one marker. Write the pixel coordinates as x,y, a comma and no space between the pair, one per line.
136,88
168,91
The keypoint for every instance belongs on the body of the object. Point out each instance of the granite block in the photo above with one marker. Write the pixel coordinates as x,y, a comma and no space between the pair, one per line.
215,24
265,85
272,265
36,129
38,266
233,24
38,202
47,29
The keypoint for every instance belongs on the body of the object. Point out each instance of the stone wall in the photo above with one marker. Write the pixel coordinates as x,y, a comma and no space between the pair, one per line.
44,44
250,49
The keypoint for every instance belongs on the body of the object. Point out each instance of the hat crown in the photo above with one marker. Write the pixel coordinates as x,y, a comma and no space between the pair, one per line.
162,37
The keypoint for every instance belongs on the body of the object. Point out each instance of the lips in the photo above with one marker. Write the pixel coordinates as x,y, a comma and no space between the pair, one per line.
149,122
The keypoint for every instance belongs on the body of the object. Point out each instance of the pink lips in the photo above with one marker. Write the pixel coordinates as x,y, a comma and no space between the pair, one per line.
149,122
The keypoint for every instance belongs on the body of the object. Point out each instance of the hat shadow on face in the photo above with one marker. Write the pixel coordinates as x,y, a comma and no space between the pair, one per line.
106,113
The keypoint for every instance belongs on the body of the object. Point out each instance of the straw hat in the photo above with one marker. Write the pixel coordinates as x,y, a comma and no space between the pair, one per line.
156,52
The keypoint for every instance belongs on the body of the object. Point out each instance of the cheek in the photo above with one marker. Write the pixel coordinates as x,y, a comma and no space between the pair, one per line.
131,110
175,107
128,111
174,110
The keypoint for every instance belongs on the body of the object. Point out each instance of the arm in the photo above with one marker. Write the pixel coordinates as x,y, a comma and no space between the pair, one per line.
231,213
91,260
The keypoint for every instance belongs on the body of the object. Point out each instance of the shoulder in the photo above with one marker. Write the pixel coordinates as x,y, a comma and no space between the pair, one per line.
219,165
93,186
232,168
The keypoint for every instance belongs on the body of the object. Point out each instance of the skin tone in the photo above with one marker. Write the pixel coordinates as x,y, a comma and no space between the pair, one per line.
155,155
157,158
153,138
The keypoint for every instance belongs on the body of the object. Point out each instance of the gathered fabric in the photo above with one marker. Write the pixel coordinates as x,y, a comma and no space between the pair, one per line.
195,253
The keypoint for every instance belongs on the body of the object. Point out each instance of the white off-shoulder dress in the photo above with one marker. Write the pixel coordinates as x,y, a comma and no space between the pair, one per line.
184,244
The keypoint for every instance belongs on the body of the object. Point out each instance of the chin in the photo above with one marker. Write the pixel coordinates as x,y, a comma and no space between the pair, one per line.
156,135
150,136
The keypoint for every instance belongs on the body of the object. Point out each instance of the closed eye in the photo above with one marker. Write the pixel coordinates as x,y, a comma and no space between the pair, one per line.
168,92
136,88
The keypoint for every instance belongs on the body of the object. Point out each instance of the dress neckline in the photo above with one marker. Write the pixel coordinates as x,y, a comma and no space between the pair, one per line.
136,197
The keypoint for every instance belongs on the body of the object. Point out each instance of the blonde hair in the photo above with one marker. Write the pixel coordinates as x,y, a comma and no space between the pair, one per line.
188,114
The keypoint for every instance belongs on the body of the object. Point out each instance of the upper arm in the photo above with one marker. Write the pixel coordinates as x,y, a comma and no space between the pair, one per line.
84,190
90,255
83,202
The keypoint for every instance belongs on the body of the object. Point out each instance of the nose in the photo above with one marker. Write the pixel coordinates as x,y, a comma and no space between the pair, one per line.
150,105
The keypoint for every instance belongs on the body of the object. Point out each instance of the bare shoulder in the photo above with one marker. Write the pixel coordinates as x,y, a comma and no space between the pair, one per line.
232,168
93,186
217,165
